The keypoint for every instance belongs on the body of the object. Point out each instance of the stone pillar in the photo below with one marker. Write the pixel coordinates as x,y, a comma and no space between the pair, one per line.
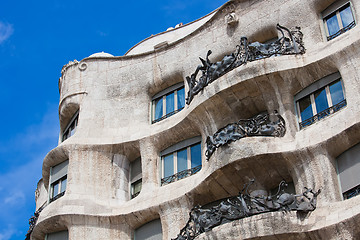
90,227
150,165
174,216
121,177
90,174
316,170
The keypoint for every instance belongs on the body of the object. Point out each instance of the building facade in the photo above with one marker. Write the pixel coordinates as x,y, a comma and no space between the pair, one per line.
148,136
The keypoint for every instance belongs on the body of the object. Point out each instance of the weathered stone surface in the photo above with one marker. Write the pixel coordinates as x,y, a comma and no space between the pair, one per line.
113,96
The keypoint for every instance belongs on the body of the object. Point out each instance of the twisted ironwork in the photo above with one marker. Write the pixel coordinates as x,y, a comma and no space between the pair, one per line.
290,43
261,125
245,205
33,220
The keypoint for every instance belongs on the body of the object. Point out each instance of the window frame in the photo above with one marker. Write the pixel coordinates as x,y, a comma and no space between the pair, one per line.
162,95
335,8
59,193
173,150
58,174
135,177
309,91
65,133
347,167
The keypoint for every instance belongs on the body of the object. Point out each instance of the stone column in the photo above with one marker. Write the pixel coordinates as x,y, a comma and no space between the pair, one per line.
316,170
121,177
149,165
90,227
174,216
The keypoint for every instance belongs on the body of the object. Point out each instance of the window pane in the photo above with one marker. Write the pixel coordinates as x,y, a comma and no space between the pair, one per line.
321,102
137,187
181,98
336,91
346,16
55,189
182,160
195,155
63,185
158,108
332,24
305,108
168,165
170,103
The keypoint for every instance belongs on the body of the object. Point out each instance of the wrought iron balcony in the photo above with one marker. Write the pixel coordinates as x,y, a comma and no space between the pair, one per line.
180,175
323,114
341,31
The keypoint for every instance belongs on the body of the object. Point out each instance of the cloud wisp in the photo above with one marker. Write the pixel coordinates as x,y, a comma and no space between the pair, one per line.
6,30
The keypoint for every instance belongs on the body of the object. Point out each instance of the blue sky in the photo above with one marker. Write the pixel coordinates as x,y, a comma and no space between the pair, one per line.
36,39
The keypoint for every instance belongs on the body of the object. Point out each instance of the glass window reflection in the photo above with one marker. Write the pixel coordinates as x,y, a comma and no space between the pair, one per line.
337,94
305,108
346,16
168,165
195,155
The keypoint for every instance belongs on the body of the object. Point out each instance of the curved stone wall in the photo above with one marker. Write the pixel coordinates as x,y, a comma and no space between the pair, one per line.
113,96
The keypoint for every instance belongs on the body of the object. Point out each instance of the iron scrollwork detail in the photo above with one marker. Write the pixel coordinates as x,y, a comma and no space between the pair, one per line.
245,205
33,220
289,43
261,125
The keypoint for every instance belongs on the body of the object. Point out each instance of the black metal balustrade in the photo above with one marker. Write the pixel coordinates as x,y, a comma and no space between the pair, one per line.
352,192
290,43
180,175
341,31
167,115
33,220
202,219
323,114
57,196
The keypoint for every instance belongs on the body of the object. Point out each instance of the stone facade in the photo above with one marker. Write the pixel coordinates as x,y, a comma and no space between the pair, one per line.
113,96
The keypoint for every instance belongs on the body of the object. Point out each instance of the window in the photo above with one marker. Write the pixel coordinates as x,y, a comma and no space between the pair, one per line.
58,180
135,177
181,160
320,99
168,102
348,167
149,231
338,18
71,127
63,235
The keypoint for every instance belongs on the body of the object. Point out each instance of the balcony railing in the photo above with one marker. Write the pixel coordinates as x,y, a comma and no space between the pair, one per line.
180,175
323,114
341,31
352,192
57,196
167,115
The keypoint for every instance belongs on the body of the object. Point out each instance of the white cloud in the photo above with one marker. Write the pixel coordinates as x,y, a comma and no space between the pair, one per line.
15,198
6,30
